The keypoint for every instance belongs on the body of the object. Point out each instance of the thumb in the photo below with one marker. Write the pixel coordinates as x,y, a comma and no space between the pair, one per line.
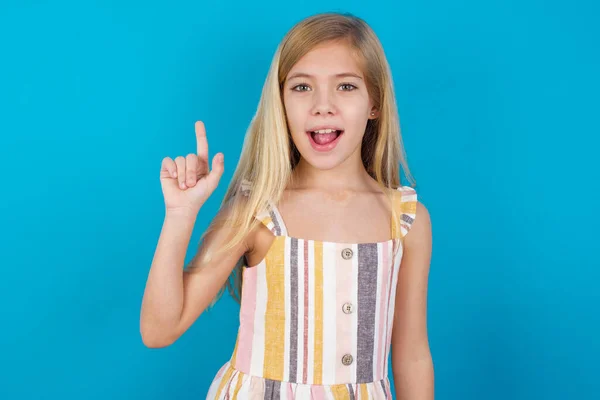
214,176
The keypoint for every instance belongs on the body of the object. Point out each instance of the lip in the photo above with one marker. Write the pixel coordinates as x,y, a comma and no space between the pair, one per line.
319,127
322,148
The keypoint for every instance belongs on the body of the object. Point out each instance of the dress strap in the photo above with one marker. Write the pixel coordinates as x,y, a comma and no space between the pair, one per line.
270,215
406,205
271,218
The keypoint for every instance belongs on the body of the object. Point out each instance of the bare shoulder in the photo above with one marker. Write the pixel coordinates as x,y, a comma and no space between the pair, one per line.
418,237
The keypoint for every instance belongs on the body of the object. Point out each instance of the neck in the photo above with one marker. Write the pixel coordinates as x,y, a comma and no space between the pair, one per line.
349,175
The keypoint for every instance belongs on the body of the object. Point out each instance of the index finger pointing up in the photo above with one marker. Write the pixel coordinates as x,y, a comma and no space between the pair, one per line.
201,142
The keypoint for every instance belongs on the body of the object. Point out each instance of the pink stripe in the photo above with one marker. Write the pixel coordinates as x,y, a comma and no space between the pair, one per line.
290,392
343,338
305,368
244,351
389,322
318,392
382,310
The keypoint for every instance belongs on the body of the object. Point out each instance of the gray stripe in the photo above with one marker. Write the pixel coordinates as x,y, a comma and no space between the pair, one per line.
367,297
407,218
293,310
272,389
384,389
351,391
276,226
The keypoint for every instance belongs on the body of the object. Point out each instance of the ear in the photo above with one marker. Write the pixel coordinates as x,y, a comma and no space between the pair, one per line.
374,114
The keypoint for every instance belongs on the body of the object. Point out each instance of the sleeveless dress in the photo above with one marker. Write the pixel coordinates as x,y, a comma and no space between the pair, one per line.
316,317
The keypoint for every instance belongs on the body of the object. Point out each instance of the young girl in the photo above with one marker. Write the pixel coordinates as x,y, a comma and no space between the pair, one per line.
329,253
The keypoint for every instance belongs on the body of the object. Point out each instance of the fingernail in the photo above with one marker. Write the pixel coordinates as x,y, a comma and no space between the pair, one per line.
174,174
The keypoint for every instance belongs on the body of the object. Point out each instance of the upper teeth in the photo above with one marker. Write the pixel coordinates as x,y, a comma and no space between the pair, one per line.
325,131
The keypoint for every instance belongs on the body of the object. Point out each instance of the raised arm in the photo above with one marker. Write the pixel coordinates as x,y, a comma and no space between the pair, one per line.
173,298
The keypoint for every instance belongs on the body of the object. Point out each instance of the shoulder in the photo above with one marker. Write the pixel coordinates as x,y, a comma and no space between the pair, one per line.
415,217
407,207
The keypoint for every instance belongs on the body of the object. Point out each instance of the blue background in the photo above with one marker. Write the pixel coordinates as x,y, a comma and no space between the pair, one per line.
499,111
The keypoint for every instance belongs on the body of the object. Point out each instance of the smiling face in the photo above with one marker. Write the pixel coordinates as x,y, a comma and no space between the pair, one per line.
327,106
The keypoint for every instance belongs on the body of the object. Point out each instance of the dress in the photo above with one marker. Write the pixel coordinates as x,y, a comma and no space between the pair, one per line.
316,317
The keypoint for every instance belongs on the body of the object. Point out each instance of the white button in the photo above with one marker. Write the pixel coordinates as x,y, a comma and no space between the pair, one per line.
348,308
347,253
347,359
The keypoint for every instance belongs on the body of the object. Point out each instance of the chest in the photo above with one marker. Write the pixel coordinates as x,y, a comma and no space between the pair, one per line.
352,219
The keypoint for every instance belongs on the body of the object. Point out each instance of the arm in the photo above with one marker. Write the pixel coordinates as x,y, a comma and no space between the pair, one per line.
412,363
174,298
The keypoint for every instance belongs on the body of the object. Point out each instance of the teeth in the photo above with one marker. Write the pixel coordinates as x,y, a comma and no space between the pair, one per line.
325,131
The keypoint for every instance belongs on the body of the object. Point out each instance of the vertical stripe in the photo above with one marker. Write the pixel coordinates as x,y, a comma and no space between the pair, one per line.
330,311
288,309
305,332
385,391
344,322
238,385
301,311
351,391
258,339
247,309
318,317
235,349
391,308
353,332
276,228
367,290
293,377
224,382
275,313
376,316
340,392
310,364
364,395
317,392
381,326
272,388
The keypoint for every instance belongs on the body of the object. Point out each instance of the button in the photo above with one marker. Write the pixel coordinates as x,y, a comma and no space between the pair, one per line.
348,308
347,359
347,253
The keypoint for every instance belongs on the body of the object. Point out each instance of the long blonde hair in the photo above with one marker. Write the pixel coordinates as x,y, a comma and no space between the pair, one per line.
269,155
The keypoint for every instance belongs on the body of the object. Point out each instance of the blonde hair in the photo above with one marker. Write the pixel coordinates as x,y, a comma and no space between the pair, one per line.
269,155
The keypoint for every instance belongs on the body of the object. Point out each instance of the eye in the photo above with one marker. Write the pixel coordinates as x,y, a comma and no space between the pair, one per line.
302,85
350,87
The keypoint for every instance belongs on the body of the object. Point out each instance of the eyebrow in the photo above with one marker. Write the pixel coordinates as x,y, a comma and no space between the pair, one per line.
340,75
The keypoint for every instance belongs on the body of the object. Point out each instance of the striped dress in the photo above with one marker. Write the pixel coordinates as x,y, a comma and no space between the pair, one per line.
316,317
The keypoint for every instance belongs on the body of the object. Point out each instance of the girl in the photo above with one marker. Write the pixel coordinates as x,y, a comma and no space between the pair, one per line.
333,253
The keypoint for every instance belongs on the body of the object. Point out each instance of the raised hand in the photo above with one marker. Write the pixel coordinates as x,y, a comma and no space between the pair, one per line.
186,181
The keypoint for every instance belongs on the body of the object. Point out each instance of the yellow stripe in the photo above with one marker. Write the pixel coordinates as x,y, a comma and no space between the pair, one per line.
238,385
409,207
275,313
235,350
364,395
340,392
318,321
224,379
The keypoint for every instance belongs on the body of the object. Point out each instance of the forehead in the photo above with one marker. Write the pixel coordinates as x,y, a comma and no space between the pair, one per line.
328,60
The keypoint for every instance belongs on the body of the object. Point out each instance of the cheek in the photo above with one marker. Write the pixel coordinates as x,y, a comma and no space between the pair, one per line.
295,115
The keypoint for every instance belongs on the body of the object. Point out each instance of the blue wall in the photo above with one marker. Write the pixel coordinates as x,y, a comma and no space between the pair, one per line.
499,106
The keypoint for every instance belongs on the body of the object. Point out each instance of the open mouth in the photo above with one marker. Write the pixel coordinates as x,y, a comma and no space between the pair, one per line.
324,140
325,136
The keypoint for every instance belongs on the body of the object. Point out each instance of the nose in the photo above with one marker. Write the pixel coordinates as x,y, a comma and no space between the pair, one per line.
323,103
